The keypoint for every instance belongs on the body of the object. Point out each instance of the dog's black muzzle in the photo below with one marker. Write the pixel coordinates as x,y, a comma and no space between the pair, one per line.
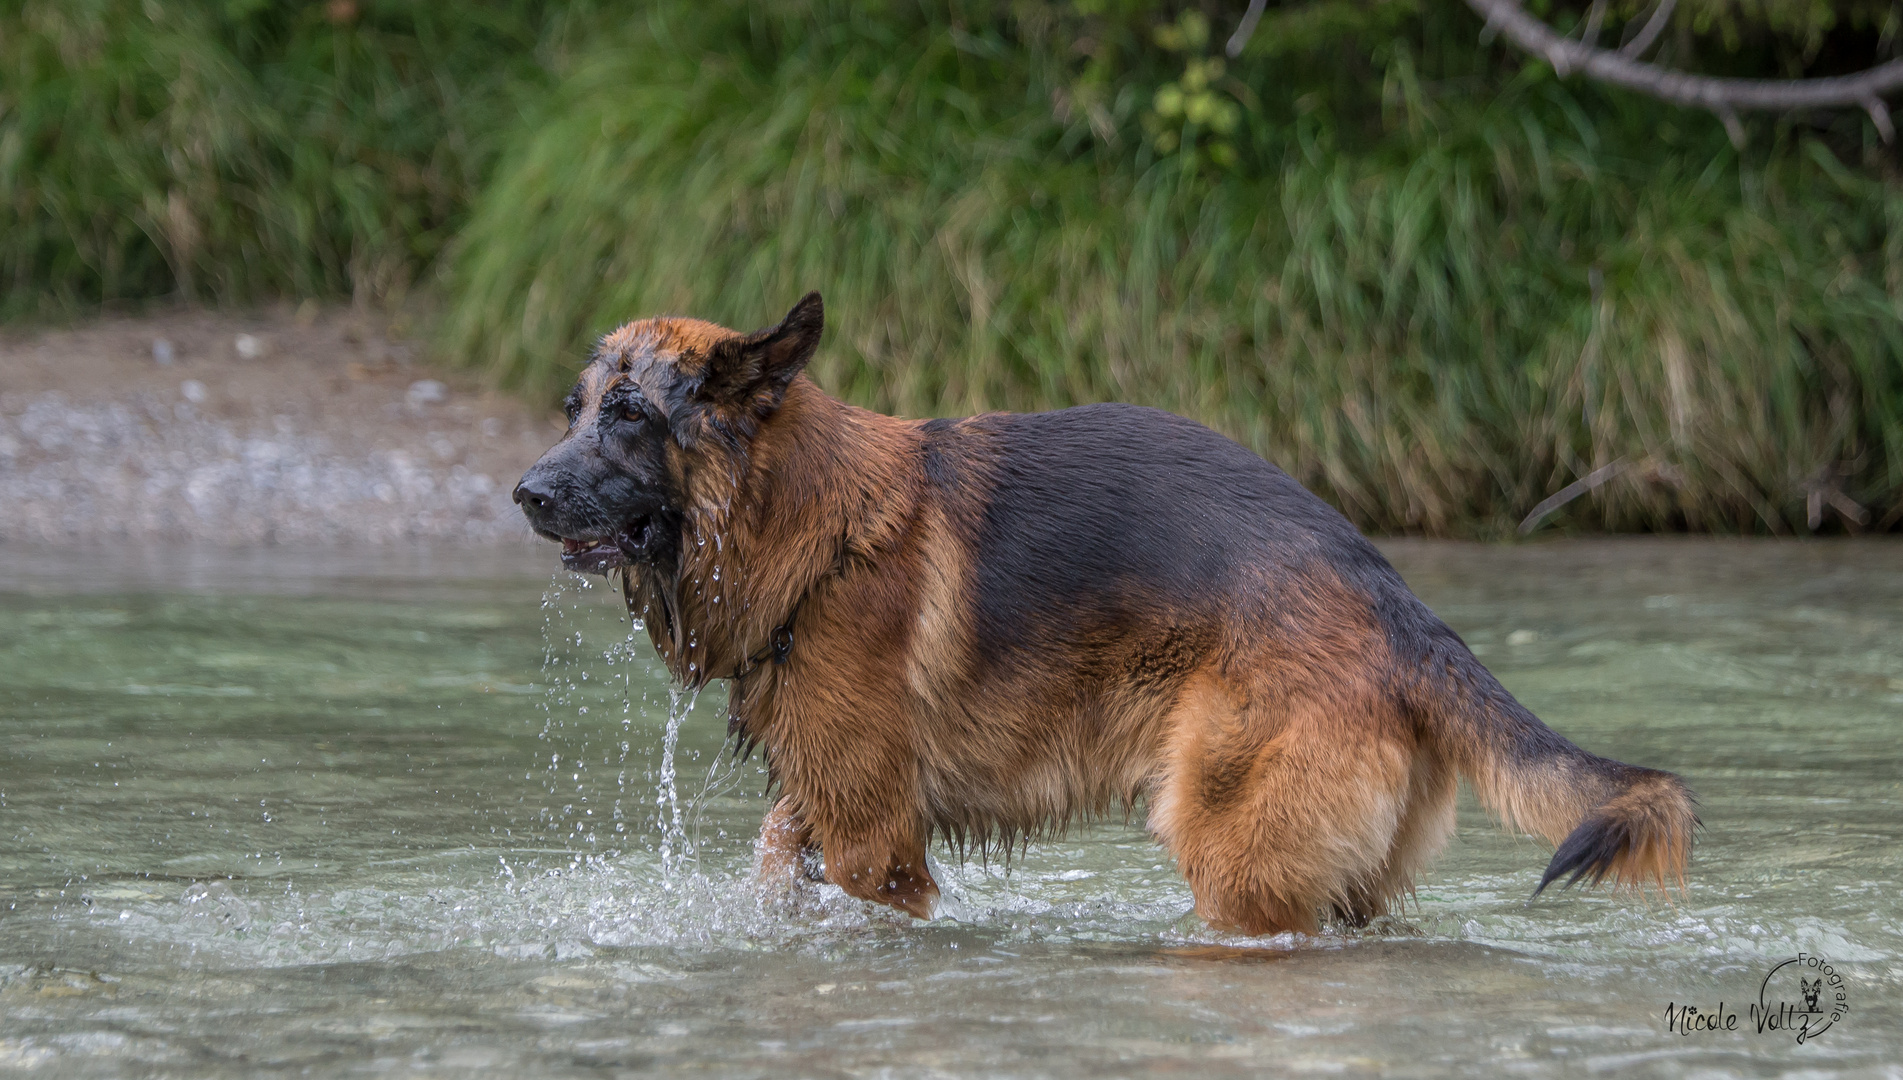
595,536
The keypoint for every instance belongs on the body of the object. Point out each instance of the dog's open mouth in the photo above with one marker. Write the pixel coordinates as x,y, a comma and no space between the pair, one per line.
592,556
601,556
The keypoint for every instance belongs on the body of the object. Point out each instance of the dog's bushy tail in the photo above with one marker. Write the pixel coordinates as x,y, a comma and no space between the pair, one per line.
1606,819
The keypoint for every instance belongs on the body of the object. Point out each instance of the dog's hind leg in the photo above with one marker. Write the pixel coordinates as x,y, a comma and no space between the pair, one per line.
1427,821
1282,808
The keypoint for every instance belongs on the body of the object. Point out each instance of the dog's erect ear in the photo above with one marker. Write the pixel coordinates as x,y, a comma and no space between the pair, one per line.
765,361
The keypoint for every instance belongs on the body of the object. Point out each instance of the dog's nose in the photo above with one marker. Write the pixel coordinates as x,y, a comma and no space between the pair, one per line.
534,494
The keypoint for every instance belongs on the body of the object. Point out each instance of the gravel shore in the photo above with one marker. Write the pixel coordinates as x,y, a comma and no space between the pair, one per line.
268,428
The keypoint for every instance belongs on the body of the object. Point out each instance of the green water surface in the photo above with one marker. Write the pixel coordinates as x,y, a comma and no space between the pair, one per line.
271,813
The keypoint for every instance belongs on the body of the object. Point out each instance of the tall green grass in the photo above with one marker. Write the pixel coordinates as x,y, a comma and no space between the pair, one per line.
1432,281
1434,302
246,150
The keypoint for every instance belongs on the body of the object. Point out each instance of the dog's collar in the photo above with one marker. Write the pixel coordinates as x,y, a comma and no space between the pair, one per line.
779,646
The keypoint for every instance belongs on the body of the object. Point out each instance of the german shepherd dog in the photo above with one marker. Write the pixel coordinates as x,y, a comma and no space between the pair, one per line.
986,628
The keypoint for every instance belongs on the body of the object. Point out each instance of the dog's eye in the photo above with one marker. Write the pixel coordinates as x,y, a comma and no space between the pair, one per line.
632,412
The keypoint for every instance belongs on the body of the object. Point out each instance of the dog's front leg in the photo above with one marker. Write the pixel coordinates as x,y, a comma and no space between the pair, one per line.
887,870
779,855
876,869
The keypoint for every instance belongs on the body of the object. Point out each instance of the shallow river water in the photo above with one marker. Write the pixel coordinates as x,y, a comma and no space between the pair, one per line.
276,813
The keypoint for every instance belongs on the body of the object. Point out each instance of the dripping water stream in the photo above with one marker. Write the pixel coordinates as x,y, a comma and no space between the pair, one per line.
674,843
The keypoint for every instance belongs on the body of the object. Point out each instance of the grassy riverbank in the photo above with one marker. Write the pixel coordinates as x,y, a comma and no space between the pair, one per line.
1434,283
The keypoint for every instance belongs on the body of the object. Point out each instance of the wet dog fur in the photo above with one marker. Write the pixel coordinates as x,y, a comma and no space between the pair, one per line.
985,628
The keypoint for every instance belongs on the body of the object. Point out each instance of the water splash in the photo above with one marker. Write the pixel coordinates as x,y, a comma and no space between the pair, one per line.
586,688
675,848
566,696
612,750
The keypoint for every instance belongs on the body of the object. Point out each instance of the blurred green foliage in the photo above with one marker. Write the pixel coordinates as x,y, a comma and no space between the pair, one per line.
1422,274
246,149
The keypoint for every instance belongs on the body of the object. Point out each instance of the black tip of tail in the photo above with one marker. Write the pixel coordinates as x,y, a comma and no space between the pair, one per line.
1588,852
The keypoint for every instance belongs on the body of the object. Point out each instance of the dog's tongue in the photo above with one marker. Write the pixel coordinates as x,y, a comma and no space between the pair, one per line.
570,547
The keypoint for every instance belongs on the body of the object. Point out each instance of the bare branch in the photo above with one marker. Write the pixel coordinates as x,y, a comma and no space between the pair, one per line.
1880,116
1721,96
1245,29
1595,17
1489,31
1654,26
1570,492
